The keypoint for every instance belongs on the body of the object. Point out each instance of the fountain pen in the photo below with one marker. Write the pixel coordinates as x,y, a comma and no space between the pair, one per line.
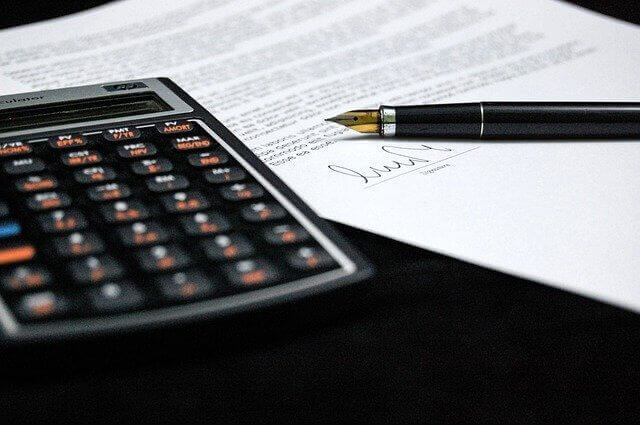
499,120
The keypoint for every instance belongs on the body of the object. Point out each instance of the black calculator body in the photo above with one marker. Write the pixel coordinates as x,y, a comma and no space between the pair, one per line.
127,205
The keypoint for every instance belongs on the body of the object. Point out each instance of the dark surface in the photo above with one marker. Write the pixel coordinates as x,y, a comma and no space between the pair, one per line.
430,339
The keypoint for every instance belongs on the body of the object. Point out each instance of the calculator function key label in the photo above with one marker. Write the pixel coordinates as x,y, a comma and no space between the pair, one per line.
121,134
227,247
78,244
207,159
95,269
123,212
173,127
60,221
26,277
163,258
48,201
185,286
182,202
188,143
224,175
136,150
14,148
94,175
115,296
310,258
261,211
142,234
24,166
36,183
167,183
285,234
109,192
251,273
42,305
205,223
240,191
78,158
152,166
68,141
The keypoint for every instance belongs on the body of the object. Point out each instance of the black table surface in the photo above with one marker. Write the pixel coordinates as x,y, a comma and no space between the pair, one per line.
429,339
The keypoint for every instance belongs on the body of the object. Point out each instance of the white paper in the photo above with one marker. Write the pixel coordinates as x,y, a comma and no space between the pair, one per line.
564,213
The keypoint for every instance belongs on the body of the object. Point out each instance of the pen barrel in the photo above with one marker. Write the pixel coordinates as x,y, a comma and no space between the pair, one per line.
461,120
519,120
551,120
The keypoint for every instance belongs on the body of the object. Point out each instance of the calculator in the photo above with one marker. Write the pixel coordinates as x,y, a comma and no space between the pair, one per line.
127,205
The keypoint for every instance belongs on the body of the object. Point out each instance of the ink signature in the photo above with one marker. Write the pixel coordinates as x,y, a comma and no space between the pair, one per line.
409,159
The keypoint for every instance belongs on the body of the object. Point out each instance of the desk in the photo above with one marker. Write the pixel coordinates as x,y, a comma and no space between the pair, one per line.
428,339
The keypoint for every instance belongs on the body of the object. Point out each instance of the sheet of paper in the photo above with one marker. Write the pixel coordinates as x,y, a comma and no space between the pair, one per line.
564,214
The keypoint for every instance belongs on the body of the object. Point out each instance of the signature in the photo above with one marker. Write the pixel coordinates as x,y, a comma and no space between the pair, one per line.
408,157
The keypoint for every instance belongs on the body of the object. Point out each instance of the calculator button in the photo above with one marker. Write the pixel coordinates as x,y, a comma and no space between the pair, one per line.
48,200
284,234
17,253
188,143
172,127
184,286
59,221
240,191
109,192
262,211
167,183
181,202
42,305
112,297
95,269
163,258
78,158
141,234
36,183
94,175
224,175
121,134
205,223
309,258
9,229
123,211
24,166
152,166
25,277
227,247
136,150
78,244
206,159
14,148
68,141
249,273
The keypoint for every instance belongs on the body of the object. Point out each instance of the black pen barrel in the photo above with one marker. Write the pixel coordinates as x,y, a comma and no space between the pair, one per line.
519,120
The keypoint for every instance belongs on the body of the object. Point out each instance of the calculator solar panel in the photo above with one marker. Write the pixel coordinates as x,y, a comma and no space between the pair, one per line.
127,205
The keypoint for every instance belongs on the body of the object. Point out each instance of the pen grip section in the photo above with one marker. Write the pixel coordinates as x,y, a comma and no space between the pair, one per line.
449,120
556,120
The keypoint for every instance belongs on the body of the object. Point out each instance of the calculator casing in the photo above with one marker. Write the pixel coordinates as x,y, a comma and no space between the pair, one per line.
353,266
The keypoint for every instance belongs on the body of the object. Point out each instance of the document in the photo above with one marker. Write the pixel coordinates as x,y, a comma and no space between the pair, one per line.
561,213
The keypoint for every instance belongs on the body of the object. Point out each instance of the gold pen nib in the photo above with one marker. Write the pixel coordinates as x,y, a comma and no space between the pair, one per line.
364,121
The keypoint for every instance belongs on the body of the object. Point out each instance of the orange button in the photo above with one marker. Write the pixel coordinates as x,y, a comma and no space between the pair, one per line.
16,254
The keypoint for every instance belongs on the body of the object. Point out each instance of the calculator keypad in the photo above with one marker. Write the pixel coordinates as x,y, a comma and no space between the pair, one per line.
133,218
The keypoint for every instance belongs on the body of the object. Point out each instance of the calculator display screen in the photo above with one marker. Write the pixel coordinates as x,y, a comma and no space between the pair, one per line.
80,110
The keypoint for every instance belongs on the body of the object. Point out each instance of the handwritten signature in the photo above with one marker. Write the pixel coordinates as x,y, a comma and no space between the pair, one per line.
409,159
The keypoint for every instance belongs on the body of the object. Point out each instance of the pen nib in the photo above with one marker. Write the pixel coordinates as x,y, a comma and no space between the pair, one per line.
364,121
